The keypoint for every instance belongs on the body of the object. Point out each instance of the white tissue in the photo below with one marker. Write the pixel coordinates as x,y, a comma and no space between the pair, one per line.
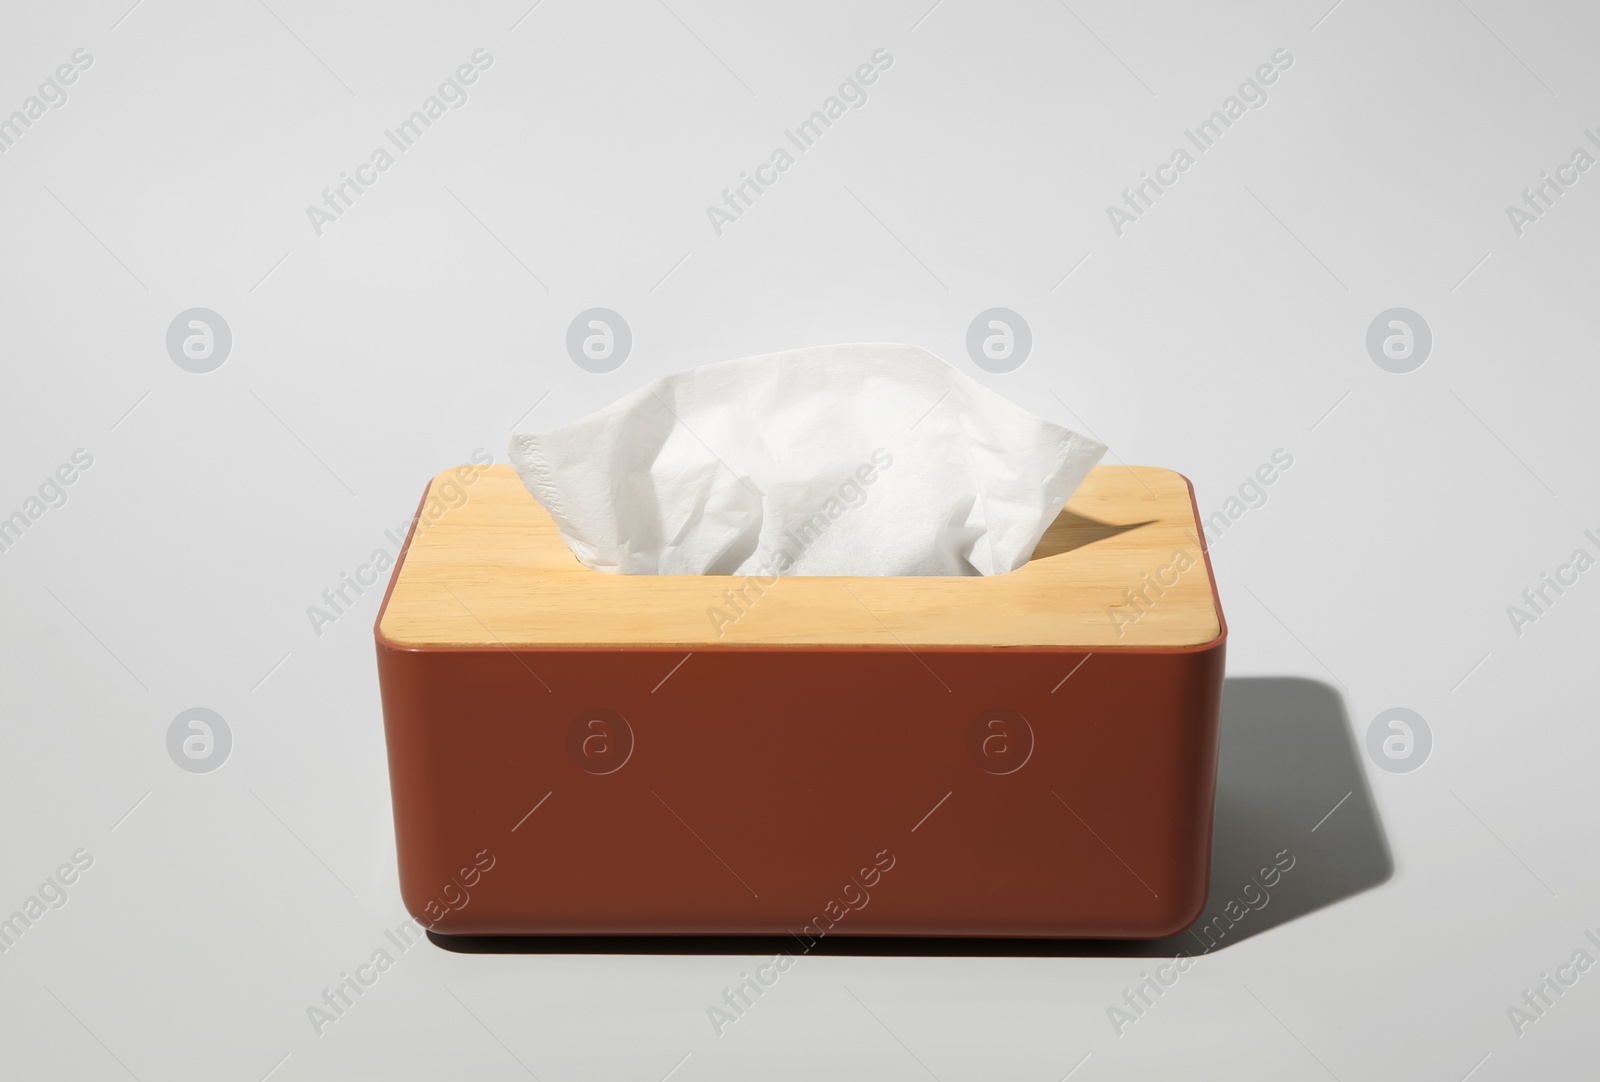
835,460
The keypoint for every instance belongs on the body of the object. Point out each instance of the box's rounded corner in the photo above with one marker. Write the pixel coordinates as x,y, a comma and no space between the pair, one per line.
1184,909
418,909
386,645
384,642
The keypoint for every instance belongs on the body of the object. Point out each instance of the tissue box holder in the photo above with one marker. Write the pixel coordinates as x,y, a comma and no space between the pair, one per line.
578,753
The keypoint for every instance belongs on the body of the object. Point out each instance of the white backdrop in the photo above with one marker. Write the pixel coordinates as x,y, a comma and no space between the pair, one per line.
163,159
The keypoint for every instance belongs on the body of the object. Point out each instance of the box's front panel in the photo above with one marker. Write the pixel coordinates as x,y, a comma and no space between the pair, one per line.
813,792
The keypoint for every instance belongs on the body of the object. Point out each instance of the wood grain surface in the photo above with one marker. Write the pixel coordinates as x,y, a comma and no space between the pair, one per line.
1121,566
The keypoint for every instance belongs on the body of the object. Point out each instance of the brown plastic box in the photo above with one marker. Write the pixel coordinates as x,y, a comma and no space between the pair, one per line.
1028,754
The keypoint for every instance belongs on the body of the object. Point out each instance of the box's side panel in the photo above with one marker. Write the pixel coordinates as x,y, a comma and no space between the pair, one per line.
819,792
429,773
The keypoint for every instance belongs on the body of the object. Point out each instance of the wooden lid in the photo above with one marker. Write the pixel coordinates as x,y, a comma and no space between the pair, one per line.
1122,566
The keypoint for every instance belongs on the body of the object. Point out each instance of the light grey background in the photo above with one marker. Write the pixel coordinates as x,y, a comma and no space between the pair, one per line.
1228,322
